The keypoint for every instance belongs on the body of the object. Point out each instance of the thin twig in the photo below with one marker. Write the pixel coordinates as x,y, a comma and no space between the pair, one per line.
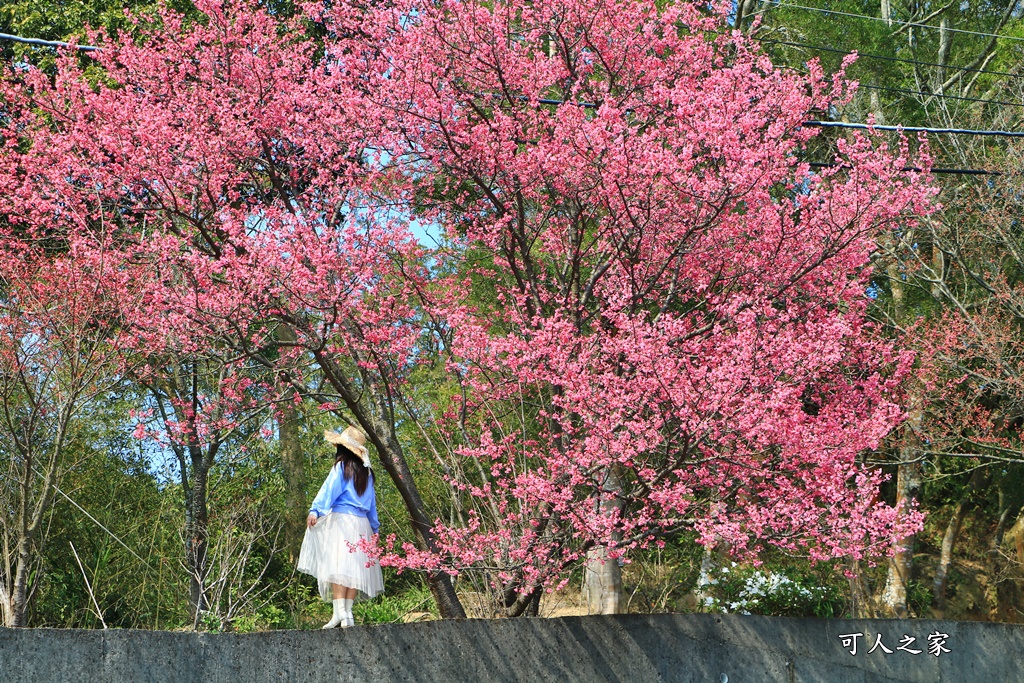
88,587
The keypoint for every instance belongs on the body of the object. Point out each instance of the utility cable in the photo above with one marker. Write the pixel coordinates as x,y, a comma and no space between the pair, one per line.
48,43
864,126
915,129
838,124
889,59
952,171
907,91
940,95
913,61
895,21
91,48
819,124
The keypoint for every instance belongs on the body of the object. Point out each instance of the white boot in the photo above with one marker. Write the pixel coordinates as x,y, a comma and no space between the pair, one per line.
339,616
346,613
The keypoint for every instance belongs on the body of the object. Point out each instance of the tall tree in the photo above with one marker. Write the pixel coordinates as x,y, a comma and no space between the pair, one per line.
58,354
200,403
639,370
249,219
947,65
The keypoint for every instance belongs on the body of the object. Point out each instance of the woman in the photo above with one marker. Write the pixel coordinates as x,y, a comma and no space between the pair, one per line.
343,513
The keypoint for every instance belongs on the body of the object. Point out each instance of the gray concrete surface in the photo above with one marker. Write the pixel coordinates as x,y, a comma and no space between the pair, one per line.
683,648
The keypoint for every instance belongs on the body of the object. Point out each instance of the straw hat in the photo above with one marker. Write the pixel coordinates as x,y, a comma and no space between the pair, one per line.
353,439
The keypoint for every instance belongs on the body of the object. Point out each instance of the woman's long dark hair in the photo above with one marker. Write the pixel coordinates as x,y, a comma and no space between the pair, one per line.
353,468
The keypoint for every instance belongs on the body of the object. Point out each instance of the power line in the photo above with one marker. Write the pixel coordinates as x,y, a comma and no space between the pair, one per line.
819,124
942,95
48,43
889,59
91,48
905,90
833,124
864,126
908,61
915,129
954,171
894,21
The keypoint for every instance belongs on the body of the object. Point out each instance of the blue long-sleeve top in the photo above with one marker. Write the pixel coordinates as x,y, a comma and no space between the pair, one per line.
338,494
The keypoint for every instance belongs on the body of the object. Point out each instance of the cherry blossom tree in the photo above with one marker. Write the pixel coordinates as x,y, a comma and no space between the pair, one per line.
676,338
232,169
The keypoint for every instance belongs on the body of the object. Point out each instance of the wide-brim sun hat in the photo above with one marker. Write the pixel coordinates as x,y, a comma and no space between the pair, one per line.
353,439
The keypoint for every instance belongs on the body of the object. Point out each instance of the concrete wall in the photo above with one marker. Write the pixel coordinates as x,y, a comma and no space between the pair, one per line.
704,648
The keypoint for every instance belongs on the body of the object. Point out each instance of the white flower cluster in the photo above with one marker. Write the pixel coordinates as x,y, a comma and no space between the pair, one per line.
755,591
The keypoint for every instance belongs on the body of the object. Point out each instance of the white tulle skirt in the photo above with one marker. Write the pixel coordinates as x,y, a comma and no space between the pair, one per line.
329,552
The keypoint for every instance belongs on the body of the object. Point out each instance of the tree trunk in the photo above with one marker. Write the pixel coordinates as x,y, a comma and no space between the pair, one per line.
197,539
1018,530
294,466
602,575
371,410
28,525
393,458
945,43
908,477
860,596
979,479
983,56
6,611
602,583
701,593
533,607
14,604
908,486
993,564
20,589
744,8
942,571
521,605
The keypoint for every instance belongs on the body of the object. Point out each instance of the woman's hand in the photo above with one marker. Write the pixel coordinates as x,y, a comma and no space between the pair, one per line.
311,521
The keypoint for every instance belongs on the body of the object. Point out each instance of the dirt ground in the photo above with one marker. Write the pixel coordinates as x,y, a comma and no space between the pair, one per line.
566,603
